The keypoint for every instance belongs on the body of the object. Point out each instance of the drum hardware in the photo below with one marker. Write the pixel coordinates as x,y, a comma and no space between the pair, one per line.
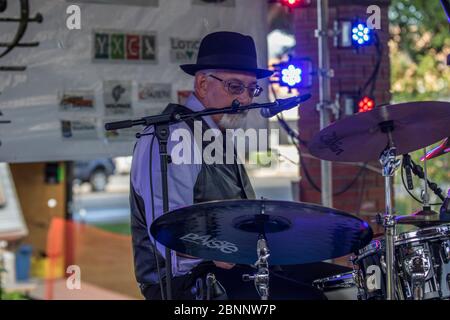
446,250
214,289
198,289
418,268
422,271
390,164
396,126
261,278
210,279
418,265
426,216
417,170
208,288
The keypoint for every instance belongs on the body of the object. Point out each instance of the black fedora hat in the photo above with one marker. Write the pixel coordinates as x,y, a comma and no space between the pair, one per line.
229,51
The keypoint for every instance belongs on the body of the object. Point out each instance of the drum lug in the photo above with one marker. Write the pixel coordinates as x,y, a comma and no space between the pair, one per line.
417,287
418,265
446,250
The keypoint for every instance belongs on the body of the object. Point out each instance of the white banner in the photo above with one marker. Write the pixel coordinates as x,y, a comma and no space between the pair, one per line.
122,64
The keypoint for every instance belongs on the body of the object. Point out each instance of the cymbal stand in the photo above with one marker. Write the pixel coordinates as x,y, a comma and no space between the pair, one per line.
389,165
425,195
261,278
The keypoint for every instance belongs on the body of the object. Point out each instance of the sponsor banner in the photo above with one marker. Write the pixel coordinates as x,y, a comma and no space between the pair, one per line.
184,50
79,129
155,92
120,41
143,3
121,46
117,97
223,3
78,101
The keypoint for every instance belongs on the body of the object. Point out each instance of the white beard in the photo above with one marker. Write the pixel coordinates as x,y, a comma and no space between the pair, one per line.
233,121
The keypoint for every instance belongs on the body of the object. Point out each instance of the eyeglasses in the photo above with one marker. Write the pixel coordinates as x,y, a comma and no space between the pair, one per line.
236,87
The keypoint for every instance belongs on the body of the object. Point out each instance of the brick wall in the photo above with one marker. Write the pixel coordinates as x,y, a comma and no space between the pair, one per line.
366,197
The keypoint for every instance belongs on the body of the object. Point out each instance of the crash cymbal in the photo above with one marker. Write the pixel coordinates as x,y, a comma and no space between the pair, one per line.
360,137
228,231
425,212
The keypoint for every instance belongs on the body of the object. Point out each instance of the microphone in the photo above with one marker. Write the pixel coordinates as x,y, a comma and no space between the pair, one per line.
407,167
283,104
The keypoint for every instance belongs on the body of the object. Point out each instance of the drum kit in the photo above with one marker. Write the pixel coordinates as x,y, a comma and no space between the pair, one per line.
407,266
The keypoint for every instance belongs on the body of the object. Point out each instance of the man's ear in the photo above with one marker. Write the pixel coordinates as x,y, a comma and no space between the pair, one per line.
201,85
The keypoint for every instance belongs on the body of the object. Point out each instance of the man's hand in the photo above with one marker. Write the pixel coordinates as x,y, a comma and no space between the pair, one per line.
224,265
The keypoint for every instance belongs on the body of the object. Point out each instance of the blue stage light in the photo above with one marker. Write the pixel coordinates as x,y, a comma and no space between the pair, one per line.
361,34
291,75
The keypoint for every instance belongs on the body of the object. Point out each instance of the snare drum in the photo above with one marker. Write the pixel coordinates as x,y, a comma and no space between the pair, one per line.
422,266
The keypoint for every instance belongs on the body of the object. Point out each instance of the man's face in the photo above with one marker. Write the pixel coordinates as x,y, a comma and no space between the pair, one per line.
213,93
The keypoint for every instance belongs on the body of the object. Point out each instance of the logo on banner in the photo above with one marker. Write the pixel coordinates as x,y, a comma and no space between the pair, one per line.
155,92
117,97
117,92
125,47
79,130
184,50
77,101
225,3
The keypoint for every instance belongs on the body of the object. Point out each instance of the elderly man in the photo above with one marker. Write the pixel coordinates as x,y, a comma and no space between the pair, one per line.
226,70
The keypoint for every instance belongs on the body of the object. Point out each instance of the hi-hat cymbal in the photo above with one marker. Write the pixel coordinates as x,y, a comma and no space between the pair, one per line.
360,137
228,231
421,219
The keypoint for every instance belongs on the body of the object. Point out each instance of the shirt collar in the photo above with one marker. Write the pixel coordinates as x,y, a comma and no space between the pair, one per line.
195,105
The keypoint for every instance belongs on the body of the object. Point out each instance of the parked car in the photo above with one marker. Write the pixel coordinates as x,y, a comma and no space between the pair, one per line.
123,165
96,172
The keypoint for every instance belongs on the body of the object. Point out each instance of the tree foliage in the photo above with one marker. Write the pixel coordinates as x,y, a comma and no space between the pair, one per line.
418,49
